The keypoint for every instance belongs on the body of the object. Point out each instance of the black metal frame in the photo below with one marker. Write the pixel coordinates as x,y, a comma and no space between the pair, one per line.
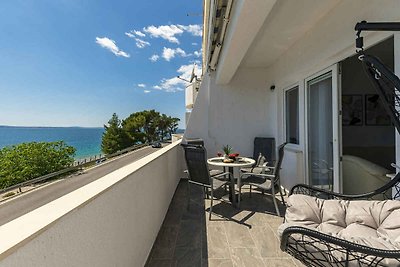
274,177
199,174
315,248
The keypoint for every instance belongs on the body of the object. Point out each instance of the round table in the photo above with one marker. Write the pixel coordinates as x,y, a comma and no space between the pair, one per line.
240,162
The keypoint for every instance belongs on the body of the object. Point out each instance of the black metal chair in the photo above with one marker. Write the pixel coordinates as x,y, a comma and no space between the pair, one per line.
316,248
199,174
263,154
200,142
267,182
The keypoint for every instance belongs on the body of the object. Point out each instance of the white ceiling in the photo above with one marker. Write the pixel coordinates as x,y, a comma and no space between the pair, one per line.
287,22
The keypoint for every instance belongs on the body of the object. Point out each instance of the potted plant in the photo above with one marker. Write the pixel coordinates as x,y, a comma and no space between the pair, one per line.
229,155
227,150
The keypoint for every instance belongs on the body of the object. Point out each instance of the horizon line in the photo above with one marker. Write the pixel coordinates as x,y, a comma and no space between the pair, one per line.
45,126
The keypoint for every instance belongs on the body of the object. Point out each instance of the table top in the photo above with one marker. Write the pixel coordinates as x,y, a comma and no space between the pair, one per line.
239,162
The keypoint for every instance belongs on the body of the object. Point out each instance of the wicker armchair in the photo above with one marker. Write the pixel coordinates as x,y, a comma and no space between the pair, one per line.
314,247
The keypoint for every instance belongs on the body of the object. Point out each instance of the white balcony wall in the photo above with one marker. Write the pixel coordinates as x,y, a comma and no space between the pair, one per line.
112,221
233,114
191,94
244,107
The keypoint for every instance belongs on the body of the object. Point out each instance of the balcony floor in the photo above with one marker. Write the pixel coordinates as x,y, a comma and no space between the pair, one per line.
234,237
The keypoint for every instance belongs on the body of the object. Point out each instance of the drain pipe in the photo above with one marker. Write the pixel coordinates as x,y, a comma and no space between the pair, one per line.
218,47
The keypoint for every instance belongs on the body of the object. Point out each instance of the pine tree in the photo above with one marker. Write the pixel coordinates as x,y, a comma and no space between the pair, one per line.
114,137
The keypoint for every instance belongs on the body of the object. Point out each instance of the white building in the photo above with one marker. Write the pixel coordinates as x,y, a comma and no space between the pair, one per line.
289,70
275,68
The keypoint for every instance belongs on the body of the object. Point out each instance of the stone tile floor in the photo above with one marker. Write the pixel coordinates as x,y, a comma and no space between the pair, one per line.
234,237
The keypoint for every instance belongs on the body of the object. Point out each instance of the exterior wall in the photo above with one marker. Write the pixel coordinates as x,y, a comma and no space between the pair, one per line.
228,114
245,107
112,221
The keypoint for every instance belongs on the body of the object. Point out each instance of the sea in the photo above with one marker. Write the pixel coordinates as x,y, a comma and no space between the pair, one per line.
87,141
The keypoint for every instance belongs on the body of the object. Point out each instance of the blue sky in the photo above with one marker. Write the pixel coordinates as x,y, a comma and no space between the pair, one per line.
74,62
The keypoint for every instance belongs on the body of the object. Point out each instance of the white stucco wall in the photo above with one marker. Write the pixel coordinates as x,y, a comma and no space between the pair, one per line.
233,114
245,107
112,221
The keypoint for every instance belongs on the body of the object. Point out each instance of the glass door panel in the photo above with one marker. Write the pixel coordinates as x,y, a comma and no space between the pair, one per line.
320,131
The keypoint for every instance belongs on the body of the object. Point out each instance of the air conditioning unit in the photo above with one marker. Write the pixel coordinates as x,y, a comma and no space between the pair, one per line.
191,94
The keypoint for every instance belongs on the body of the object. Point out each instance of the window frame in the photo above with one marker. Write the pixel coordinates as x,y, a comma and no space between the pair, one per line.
285,118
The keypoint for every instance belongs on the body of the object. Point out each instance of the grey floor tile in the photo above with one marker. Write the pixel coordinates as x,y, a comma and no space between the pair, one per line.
279,262
187,257
217,244
238,235
246,257
189,235
266,241
219,263
161,262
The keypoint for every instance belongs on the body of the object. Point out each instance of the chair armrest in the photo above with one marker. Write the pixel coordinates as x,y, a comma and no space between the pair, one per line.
222,174
314,191
267,176
325,194
294,237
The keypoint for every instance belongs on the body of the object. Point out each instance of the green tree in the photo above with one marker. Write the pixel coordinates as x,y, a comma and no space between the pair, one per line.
163,123
172,125
142,126
114,137
26,161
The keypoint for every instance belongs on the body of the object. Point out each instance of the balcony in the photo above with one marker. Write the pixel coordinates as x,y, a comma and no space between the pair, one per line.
234,237
116,221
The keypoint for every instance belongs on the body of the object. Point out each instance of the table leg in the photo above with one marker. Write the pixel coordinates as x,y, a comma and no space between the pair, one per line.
232,193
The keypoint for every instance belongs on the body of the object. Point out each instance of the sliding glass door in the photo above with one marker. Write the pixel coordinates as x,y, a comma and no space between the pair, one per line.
322,130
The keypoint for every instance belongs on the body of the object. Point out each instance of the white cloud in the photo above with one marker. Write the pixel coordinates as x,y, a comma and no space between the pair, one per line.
169,32
169,53
146,91
142,85
141,43
111,46
198,53
194,43
166,32
130,34
194,29
154,58
139,33
175,84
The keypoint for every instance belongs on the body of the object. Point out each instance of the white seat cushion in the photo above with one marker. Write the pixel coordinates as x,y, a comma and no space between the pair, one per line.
374,224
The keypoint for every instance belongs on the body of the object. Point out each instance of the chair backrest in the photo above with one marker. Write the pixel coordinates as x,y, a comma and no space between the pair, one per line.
281,152
195,141
196,161
265,146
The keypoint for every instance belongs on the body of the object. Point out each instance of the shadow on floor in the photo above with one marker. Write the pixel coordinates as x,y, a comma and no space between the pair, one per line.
234,237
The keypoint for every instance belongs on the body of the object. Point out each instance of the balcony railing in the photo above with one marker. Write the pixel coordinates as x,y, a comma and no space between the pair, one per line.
112,221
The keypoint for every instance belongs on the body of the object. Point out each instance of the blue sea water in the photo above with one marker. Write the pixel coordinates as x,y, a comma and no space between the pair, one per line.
87,141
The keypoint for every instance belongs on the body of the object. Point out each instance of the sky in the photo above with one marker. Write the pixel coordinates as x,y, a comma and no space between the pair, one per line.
76,62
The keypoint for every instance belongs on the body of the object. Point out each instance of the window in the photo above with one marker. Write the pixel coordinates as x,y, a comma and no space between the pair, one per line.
292,115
